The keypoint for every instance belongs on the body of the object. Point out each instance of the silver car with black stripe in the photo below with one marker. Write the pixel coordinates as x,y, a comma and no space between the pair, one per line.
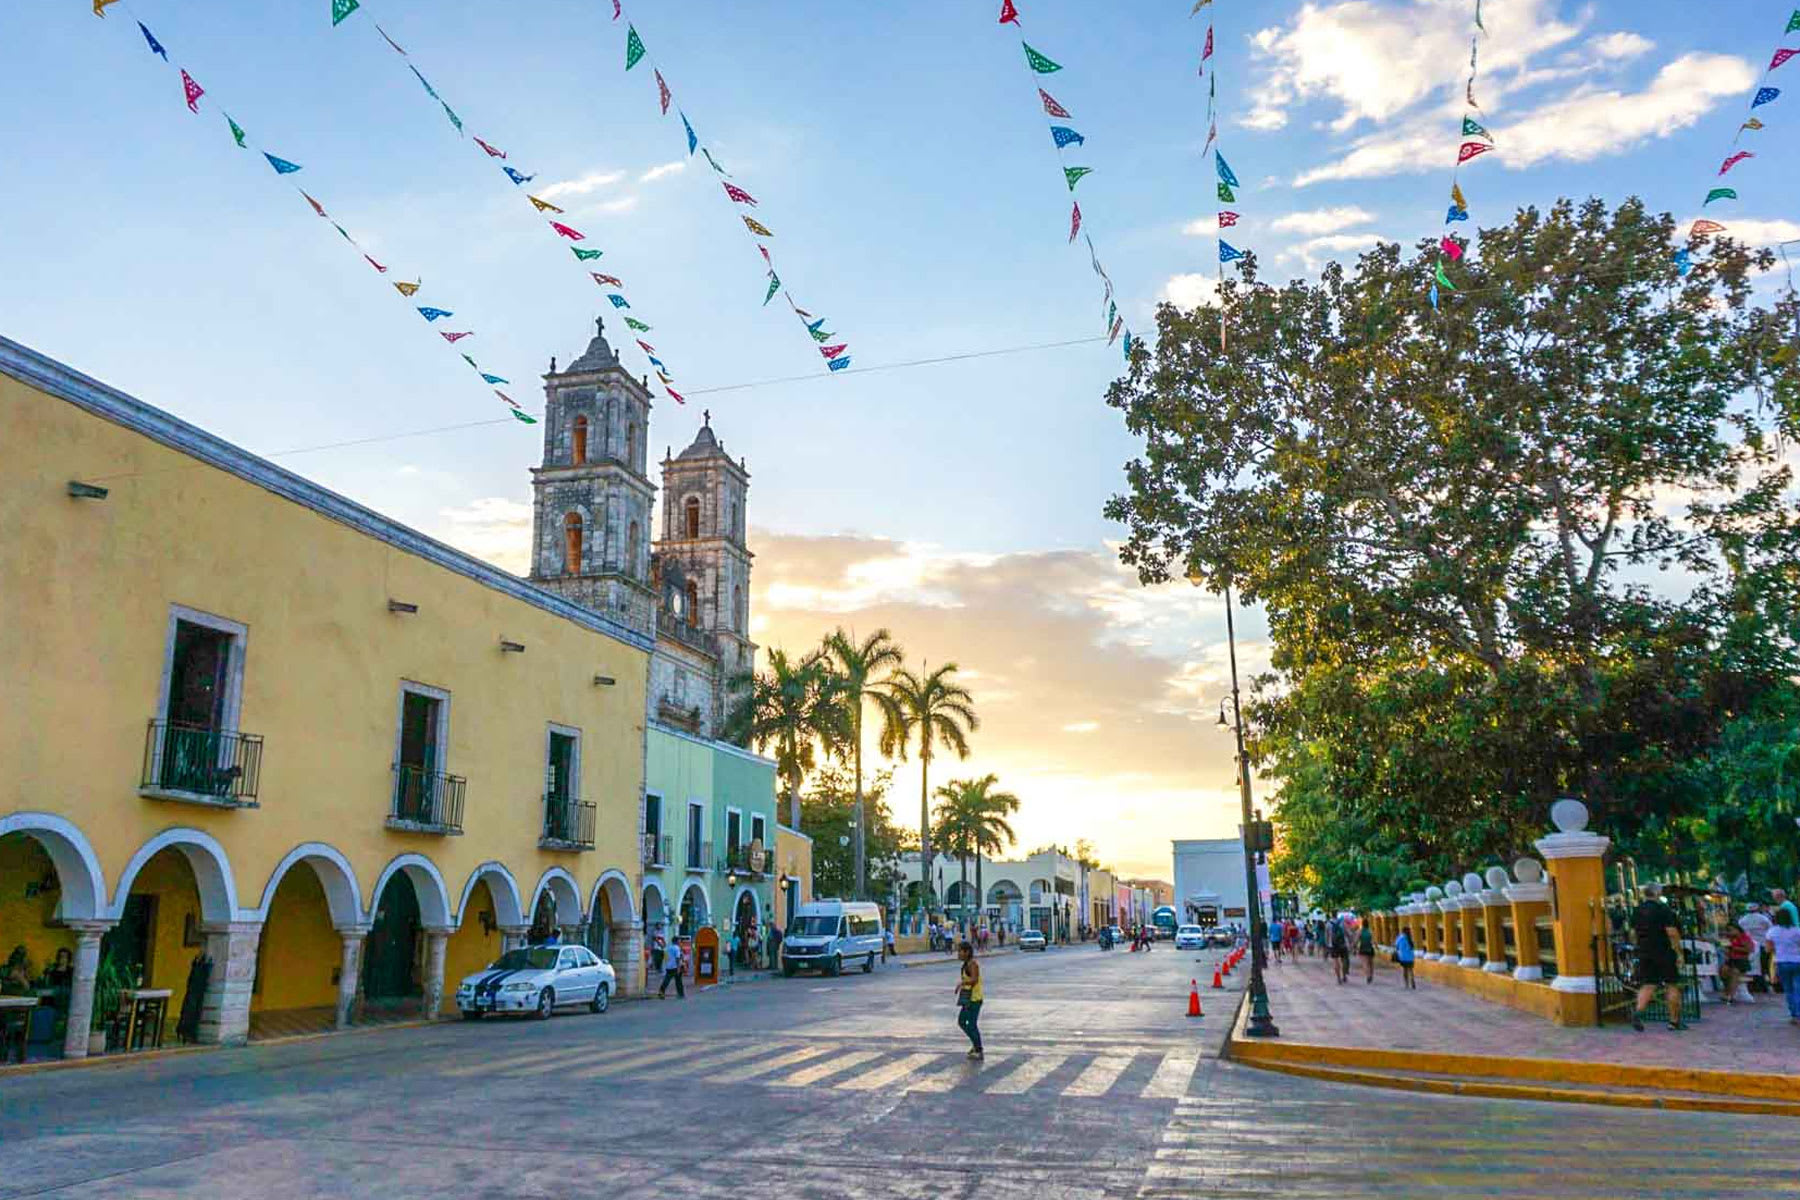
538,980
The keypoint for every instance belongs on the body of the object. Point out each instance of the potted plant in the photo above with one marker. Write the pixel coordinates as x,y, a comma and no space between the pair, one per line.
112,977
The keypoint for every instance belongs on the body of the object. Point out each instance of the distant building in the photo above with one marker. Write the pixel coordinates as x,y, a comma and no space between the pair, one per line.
1209,882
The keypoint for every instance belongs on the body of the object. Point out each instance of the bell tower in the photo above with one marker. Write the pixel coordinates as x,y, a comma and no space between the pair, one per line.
591,497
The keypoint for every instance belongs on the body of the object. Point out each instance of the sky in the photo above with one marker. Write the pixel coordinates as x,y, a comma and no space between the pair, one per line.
900,156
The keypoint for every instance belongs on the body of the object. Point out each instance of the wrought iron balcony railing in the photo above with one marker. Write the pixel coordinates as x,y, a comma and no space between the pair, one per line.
743,861
426,801
193,762
568,823
658,849
698,855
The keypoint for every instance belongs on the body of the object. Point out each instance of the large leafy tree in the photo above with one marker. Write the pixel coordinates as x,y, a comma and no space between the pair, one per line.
972,821
1533,541
828,814
931,708
793,707
859,667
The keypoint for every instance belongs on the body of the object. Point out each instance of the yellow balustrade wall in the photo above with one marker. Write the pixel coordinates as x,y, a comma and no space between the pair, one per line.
86,589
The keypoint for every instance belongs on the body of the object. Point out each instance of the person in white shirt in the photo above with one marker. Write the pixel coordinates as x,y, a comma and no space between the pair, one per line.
1756,923
672,972
1784,936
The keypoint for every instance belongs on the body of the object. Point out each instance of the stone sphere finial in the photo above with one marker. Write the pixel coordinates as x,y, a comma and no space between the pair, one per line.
1497,878
1569,815
1434,893
1471,883
1528,870
1453,888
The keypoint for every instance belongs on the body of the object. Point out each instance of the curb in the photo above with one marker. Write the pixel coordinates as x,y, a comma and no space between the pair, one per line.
126,1058
952,960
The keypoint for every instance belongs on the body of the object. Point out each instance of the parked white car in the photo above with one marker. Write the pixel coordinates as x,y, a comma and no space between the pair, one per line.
538,980
1190,937
1032,939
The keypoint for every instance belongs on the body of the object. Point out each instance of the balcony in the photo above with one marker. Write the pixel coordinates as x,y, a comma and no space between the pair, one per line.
658,849
568,824
698,855
217,767
741,860
693,636
426,801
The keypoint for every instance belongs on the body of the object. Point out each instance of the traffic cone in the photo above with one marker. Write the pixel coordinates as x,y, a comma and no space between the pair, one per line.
1194,998
1218,978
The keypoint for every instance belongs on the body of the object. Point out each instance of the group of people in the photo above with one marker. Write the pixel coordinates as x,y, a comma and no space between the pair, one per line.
1336,938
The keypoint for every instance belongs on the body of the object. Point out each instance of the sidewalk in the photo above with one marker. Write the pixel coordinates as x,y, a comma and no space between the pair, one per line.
1741,1050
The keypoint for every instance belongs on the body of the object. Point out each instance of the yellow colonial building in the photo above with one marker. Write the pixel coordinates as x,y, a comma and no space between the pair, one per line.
273,752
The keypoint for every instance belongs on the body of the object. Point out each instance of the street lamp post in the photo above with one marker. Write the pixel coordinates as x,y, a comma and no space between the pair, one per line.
1261,1023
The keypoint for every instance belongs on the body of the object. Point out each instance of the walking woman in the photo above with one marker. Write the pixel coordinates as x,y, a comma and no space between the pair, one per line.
1403,955
1365,949
968,998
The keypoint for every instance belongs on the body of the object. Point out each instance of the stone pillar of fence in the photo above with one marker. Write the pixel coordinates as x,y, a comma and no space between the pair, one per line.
1530,899
1577,862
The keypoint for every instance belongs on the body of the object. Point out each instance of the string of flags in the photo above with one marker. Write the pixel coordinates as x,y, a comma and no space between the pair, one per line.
837,356
1039,66
1476,141
1764,94
1227,183
611,286
192,93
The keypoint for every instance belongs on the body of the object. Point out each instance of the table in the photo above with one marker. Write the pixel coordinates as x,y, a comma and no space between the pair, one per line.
147,1010
15,1024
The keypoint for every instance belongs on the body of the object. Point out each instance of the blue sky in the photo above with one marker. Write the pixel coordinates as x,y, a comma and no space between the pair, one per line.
899,156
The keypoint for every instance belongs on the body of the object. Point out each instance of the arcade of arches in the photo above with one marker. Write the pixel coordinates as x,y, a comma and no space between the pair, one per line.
311,947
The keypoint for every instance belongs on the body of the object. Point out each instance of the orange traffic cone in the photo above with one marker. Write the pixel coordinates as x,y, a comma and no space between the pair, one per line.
1194,999
1218,978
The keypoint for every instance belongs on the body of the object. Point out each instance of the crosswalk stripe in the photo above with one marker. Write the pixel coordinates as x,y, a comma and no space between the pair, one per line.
496,1066
1172,1077
818,1071
583,1056
947,1079
1100,1075
888,1073
632,1063
1031,1071
768,1066
723,1058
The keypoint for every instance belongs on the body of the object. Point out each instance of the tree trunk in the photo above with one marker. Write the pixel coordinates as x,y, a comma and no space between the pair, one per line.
861,891
794,806
925,821
962,910
980,896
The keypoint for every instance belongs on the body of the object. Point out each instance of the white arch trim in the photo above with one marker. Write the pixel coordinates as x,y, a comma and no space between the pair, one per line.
82,887
212,872
705,906
662,901
428,884
559,883
996,896
342,893
507,909
621,912
737,899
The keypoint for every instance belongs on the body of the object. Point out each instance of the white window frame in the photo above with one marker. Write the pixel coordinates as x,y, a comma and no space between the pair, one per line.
743,827
413,686
551,728
234,669
694,849
758,820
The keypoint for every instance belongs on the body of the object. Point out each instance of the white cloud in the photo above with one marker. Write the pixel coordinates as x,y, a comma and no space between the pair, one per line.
1322,220
591,182
1201,227
1621,45
1315,252
495,528
1418,148
1587,123
1082,727
665,169
1749,231
1189,291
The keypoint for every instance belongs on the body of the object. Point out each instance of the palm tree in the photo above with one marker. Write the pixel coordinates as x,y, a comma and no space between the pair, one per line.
795,706
941,712
856,665
972,822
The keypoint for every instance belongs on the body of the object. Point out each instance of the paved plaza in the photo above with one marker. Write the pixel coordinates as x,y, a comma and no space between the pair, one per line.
1096,1085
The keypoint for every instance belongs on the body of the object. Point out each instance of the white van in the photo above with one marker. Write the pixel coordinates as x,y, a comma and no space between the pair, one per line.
826,934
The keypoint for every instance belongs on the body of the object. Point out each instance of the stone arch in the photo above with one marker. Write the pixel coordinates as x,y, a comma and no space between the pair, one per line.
82,888
737,904
702,906
959,894
578,440
205,857
434,896
508,910
654,914
564,890
618,897
690,518
336,876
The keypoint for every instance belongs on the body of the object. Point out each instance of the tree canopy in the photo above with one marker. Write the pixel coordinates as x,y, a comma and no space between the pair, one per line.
1536,541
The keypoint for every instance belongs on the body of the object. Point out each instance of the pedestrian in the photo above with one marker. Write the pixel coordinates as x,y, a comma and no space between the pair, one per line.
968,999
1404,955
1657,931
1365,946
1779,899
1756,923
774,946
672,972
659,949
1340,950
1736,968
1784,936
1003,937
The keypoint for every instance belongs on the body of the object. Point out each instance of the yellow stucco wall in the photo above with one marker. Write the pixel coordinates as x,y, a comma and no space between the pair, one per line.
793,856
300,951
85,594
472,947
27,920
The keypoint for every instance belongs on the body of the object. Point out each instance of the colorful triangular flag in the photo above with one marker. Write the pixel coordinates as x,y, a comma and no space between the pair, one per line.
636,324
1456,196
1074,174
1764,95
839,363
693,141
607,280
1225,194
1064,136
407,289
520,415
1474,128
282,166
1752,123
432,314
1472,150
618,301
1452,247
191,90
1720,194
317,207
1734,160
1208,51
663,93
674,395
1009,13
492,152
156,47
1227,220
429,90
774,286
713,162
1037,62
516,177
738,194
1226,175
1704,226
1074,221
574,235
586,255
494,378
1456,214
1443,279
543,205
1781,56
453,338
756,227
341,9
634,47
1051,107
1228,252
100,7
237,132
378,267
834,351
454,119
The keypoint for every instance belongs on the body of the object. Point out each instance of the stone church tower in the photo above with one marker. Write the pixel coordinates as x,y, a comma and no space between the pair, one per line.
592,496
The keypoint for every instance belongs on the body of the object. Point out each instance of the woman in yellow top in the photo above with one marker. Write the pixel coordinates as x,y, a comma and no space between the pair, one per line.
968,998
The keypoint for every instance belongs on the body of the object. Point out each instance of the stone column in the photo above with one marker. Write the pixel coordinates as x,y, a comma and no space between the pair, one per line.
1470,920
1529,902
1450,918
1434,930
81,987
437,940
349,972
512,936
1577,862
628,957
1493,925
225,1009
